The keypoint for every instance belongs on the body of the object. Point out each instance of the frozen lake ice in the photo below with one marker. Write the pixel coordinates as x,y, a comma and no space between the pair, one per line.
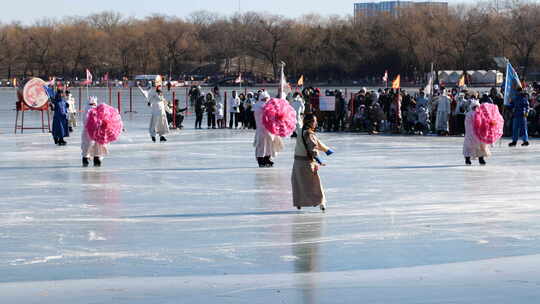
194,221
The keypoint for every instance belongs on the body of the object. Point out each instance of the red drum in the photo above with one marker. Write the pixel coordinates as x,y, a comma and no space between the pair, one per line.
34,94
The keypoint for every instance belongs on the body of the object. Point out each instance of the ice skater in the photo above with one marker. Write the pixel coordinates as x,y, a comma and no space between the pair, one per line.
89,148
266,144
101,125
72,111
520,109
472,146
158,123
60,128
306,184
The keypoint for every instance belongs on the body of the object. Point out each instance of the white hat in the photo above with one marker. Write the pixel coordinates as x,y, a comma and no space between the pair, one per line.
474,103
93,100
265,95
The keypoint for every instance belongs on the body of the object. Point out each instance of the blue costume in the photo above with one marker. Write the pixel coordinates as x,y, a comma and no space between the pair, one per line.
520,107
60,128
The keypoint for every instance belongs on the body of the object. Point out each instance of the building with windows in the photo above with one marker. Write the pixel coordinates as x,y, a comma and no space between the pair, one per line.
393,8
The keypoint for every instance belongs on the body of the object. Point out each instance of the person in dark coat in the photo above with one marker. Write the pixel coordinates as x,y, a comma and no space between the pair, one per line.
520,109
199,111
60,127
211,109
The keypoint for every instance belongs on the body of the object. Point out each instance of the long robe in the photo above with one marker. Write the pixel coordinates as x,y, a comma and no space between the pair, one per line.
158,122
60,127
306,184
72,111
265,143
90,148
299,108
472,146
443,113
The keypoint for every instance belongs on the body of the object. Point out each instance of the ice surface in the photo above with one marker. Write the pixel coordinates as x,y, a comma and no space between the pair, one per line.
194,221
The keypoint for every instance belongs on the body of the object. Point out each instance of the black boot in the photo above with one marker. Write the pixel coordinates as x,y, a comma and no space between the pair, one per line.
55,140
268,162
468,161
482,161
162,139
85,162
525,144
153,138
62,142
70,129
260,161
512,144
97,161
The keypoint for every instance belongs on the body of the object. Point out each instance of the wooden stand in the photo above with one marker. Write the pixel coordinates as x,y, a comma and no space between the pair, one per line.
22,107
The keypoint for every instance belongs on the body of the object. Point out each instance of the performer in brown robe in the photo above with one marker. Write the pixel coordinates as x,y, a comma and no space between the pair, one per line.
306,183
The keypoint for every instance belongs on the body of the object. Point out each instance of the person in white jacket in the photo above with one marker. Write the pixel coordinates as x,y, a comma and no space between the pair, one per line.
443,113
299,107
72,111
233,107
90,148
266,144
158,123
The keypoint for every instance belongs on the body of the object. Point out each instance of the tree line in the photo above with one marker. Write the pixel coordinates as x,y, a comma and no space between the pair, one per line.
322,48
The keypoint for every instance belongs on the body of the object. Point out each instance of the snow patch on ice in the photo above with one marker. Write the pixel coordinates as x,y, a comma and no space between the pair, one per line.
17,262
289,258
93,236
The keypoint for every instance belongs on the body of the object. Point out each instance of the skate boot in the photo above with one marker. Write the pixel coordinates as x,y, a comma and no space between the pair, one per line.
97,161
162,139
298,207
153,138
85,162
525,144
482,161
62,142
468,161
323,207
268,163
260,161
512,144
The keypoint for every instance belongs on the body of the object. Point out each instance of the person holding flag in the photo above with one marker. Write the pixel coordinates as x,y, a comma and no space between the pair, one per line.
516,101
520,110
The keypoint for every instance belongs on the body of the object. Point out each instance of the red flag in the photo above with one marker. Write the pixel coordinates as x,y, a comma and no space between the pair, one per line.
88,80
239,79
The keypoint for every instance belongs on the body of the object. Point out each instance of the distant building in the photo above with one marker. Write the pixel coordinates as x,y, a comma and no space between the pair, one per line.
393,8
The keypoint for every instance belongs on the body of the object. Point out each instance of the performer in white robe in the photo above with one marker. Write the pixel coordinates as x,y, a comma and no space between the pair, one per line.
266,144
472,147
443,113
299,107
72,111
90,148
158,123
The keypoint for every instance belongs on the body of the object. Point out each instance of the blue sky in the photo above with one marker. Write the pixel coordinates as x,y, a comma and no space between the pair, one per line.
28,11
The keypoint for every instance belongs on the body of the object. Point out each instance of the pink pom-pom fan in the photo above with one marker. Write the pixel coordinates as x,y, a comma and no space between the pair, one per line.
104,124
279,118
